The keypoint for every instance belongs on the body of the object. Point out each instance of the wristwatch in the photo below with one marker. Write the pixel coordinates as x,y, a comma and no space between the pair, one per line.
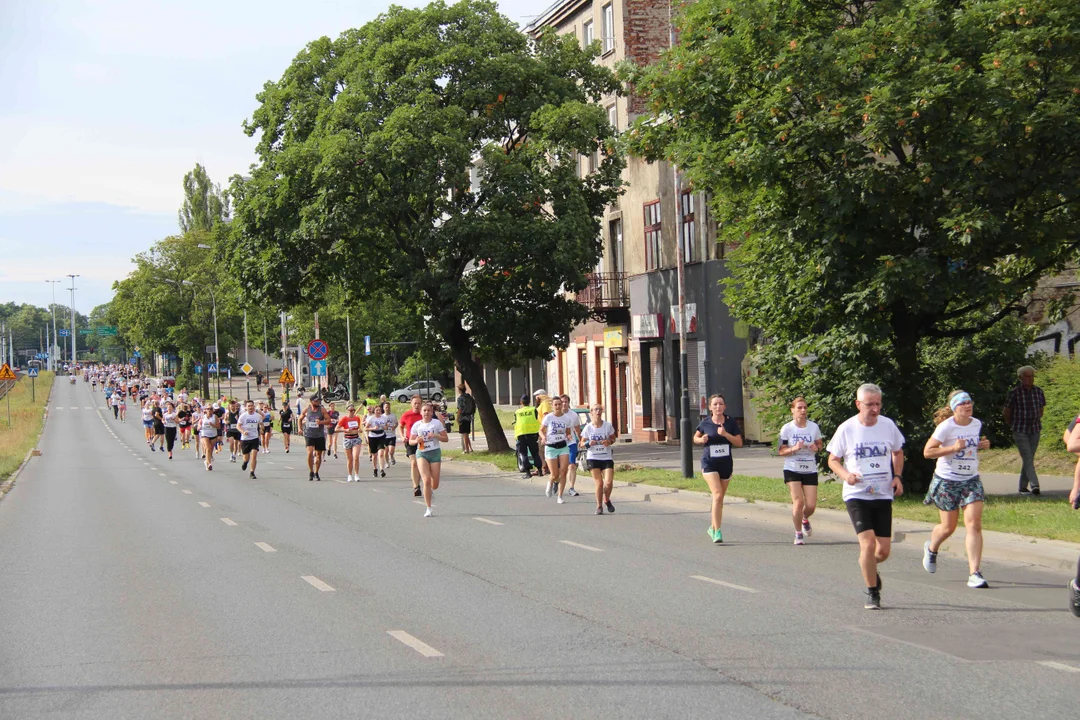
897,477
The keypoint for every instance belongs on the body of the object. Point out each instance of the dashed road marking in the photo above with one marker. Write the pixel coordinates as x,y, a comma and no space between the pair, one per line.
1059,666
733,586
186,492
579,545
161,474
377,490
228,521
173,482
418,645
264,547
317,583
289,468
204,504
485,520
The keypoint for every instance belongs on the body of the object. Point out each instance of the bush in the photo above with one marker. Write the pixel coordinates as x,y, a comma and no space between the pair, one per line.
1060,381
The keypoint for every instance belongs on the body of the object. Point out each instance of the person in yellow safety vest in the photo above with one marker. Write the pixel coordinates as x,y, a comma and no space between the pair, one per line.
527,434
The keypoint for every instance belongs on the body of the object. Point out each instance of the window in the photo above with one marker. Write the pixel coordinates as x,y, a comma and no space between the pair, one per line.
687,235
613,117
615,240
607,29
652,235
587,36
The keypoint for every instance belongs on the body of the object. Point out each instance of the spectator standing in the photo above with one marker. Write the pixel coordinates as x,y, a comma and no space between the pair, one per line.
466,407
1023,413
526,432
270,395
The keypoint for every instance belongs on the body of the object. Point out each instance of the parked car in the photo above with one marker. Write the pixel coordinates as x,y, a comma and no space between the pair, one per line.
168,381
427,389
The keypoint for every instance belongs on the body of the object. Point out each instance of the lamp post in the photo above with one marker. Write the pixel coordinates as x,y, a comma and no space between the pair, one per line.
74,343
52,355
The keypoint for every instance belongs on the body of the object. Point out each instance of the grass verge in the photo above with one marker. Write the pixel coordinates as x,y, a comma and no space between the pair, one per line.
1045,517
1047,461
27,419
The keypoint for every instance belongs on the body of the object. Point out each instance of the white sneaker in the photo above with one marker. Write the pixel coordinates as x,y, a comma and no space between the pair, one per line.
975,580
799,539
428,513
929,559
348,478
559,500
547,491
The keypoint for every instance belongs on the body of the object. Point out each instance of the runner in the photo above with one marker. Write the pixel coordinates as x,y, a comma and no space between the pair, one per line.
232,429
148,423
351,424
123,407
209,429
267,427
866,452
157,416
314,420
426,435
183,422
331,431
572,444
249,423
375,425
390,441
408,419
286,416
956,486
114,403
1072,444
168,419
799,440
598,436
719,434
554,431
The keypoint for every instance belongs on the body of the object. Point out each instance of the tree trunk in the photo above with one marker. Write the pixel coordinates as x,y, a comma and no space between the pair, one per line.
473,374
910,398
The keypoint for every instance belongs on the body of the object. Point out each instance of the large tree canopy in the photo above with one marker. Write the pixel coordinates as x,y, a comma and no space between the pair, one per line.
895,174
434,155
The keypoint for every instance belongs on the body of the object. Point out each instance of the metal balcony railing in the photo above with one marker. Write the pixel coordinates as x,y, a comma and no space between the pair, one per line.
605,291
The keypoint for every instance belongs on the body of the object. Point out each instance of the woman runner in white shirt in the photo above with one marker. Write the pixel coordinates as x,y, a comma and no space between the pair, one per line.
597,437
956,486
799,440
427,434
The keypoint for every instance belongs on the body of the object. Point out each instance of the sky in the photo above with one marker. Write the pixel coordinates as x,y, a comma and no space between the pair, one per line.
108,103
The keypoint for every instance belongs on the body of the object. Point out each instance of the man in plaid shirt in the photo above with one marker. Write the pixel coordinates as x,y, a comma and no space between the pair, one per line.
1023,413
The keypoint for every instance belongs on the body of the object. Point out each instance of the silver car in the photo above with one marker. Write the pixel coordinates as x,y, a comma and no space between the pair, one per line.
427,389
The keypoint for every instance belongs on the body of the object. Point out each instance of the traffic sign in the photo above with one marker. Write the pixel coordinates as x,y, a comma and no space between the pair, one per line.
286,377
318,368
212,368
318,349
247,368
198,369
107,330
136,354
32,372
6,373
64,333
86,331
367,344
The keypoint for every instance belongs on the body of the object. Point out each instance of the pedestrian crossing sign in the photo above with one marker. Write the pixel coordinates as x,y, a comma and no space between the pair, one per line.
6,373
33,372
286,377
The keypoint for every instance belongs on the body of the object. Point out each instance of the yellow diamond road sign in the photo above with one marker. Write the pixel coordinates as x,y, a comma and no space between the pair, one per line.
6,373
286,377
246,367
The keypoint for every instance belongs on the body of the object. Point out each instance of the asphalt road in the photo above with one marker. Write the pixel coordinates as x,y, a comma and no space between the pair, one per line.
126,594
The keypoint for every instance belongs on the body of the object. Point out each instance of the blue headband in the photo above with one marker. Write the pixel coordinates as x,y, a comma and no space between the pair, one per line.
959,399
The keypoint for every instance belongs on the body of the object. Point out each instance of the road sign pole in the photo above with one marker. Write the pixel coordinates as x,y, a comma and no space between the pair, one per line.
248,383
348,341
33,390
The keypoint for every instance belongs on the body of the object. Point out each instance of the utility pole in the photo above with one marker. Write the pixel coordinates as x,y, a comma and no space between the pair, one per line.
348,341
74,343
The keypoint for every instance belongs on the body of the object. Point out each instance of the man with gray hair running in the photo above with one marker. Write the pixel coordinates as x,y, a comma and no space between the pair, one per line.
866,453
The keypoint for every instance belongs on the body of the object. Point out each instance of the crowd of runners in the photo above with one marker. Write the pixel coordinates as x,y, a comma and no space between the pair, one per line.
865,453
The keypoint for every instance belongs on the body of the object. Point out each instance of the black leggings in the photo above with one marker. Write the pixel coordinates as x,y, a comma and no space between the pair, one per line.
170,438
116,411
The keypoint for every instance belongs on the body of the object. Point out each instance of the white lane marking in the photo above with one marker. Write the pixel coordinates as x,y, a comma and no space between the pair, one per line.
377,490
289,468
421,502
59,407
317,583
86,408
579,545
161,474
264,547
74,407
173,482
725,584
1059,666
204,504
485,520
227,521
186,492
418,645
340,481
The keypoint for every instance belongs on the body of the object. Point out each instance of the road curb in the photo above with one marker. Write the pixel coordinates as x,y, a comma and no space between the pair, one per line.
6,486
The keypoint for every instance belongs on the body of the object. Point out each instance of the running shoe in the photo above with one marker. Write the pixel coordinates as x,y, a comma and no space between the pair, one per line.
252,475
976,580
210,466
382,474
244,466
559,500
310,476
348,478
799,539
428,513
718,536
610,507
374,472
1074,597
929,559
1036,491
712,533
417,492
153,449
807,531
547,491
599,509
393,461
335,456
524,476
572,492
873,599
317,477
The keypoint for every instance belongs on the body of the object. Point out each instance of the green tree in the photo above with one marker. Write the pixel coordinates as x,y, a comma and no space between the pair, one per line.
894,175
205,205
434,155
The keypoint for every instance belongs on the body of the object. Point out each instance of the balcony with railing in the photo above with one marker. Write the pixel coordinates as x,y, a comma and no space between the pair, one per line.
605,291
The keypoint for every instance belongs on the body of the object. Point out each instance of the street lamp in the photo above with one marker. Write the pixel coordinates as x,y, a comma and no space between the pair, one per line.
52,355
73,342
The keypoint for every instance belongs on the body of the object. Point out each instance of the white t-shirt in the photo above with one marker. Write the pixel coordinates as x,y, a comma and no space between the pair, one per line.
964,465
868,452
208,425
558,426
249,424
803,461
376,426
169,418
575,424
595,437
429,433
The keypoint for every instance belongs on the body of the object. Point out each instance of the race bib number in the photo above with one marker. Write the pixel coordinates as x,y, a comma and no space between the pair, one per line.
719,451
313,424
874,470
804,465
353,424
965,467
